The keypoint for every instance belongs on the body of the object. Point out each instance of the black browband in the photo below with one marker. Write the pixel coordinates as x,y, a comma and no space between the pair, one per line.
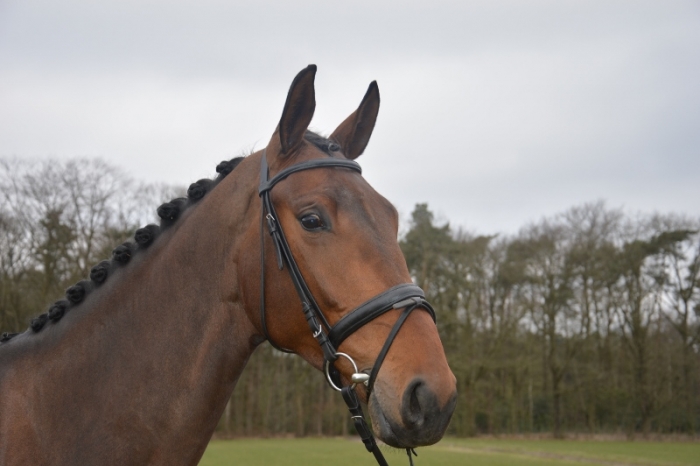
405,296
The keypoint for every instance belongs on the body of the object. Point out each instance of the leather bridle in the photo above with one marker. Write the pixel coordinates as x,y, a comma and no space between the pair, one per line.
407,296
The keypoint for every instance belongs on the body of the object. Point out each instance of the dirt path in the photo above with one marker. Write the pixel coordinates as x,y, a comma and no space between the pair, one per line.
553,456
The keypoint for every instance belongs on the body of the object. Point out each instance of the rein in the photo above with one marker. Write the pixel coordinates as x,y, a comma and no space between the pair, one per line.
405,296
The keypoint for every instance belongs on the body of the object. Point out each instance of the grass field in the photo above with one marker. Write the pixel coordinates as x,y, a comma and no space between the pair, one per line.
449,452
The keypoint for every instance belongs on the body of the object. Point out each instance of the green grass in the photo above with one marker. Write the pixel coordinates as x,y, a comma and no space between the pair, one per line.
449,452
636,453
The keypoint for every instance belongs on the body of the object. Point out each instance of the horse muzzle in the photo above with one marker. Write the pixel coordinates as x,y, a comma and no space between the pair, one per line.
418,419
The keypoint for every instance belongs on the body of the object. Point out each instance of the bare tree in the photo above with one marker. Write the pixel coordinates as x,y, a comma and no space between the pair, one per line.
57,220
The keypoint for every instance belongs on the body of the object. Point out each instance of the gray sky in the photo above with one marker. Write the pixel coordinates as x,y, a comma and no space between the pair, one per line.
495,113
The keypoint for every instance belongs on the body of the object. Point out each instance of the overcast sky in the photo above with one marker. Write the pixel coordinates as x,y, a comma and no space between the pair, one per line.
495,113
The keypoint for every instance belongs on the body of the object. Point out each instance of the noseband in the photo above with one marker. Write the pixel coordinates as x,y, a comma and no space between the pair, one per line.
405,296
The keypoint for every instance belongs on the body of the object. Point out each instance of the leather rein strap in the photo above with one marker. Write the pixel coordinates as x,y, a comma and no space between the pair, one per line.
405,296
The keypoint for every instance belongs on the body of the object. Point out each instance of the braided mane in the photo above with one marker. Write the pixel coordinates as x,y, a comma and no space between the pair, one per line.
168,212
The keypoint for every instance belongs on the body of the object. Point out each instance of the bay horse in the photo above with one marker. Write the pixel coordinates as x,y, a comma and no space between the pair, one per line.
136,365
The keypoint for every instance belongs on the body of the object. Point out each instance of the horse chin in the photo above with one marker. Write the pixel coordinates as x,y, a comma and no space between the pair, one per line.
384,428
400,432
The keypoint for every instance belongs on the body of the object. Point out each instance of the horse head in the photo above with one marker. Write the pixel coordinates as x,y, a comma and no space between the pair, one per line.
342,236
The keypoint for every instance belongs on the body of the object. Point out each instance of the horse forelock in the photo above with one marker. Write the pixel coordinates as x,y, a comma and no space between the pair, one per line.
328,146
169,213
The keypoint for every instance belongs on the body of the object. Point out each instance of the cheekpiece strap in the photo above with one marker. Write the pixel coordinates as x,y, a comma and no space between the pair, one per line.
314,317
405,296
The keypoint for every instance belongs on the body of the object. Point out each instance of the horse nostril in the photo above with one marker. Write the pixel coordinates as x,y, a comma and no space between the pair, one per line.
422,418
415,401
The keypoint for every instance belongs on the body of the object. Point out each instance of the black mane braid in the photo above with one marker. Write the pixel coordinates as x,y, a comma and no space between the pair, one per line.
100,272
168,212
145,236
58,310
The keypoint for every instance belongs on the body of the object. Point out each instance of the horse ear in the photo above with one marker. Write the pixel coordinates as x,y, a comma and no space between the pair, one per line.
353,134
298,109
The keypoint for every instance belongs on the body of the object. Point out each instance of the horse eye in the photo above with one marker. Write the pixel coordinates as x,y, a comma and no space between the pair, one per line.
311,222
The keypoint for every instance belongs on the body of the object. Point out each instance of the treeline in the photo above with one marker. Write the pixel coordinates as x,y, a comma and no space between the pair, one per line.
588,321
585,321
57,220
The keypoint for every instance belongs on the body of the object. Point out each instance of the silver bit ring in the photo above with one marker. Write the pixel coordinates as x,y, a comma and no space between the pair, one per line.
328,375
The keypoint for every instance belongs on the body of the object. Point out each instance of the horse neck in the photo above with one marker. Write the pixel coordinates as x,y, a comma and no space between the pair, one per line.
149,360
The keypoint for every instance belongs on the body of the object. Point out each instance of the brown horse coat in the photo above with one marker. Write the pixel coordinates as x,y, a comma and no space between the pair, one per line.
140,371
